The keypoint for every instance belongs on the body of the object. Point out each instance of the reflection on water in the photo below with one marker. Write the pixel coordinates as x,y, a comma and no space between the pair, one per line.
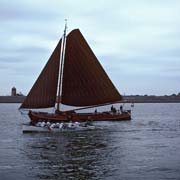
69,155
148,147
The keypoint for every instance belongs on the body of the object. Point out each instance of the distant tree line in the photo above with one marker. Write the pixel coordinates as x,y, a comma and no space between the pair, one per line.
146,95
176,94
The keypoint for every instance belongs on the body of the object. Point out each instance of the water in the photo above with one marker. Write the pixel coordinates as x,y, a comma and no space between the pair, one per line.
148,147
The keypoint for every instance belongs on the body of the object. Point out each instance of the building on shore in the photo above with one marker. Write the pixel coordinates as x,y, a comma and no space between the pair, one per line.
13,91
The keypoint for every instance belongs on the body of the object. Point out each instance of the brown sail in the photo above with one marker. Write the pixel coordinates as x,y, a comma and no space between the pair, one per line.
43,93
85,82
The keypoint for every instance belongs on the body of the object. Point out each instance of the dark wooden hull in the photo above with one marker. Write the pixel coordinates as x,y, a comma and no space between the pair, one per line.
78,117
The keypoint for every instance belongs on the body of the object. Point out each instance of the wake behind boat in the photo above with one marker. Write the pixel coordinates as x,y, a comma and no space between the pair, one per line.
73,76
56,127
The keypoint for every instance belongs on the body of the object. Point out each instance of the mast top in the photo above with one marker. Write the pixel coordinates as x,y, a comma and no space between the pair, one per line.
65,28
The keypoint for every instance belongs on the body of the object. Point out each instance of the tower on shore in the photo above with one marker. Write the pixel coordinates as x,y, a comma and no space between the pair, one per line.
13,91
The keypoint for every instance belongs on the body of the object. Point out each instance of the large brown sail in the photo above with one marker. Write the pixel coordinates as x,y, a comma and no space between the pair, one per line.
85,82
43,92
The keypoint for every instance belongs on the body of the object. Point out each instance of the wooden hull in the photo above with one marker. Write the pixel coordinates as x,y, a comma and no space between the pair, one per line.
78,117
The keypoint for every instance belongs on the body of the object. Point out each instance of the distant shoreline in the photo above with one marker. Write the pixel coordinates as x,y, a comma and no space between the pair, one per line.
127,99
12,99
151,99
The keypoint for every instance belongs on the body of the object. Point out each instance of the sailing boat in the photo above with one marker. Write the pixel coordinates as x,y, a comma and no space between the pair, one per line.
73,76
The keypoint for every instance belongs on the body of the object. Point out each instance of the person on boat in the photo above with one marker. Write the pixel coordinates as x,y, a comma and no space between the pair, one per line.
95,111
112,108
121,109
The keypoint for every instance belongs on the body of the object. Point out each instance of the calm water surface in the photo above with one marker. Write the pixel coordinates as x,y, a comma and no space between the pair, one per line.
148,147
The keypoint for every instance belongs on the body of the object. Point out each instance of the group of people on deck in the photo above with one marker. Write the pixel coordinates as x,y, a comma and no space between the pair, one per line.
113,109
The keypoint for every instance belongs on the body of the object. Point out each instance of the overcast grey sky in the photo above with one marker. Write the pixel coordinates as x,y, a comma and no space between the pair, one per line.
137,42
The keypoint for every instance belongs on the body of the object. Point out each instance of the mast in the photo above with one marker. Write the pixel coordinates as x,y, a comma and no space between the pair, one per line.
61,67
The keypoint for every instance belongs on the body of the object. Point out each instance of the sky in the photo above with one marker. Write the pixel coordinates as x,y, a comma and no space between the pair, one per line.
137,42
